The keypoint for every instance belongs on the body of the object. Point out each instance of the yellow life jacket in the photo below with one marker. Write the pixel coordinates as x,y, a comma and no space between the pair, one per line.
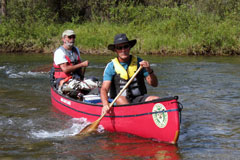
137,86
132,68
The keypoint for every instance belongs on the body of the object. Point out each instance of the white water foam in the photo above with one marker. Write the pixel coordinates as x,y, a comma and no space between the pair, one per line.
153,65
2,67
30,74
14,76
13,73
96,66
77,125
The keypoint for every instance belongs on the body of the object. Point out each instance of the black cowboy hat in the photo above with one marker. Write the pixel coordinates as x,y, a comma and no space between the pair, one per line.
121,38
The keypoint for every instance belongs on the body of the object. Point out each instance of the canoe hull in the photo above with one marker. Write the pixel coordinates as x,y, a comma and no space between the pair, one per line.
158,119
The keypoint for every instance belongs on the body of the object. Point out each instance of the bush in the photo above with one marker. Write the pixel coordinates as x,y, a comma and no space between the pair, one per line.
176,26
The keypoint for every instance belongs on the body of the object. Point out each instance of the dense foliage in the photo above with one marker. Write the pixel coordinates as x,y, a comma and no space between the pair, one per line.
160,26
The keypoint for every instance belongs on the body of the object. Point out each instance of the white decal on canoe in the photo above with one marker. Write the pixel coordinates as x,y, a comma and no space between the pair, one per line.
66,101
161,118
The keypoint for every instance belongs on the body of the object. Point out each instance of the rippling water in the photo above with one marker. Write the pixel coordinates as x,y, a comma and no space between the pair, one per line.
208,87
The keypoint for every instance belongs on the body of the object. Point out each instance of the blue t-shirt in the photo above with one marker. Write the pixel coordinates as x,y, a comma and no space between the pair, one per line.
109,71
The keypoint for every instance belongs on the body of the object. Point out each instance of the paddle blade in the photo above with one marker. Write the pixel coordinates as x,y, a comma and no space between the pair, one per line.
90,128
44,68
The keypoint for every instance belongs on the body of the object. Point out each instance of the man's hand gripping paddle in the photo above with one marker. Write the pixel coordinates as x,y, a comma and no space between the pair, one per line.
93,126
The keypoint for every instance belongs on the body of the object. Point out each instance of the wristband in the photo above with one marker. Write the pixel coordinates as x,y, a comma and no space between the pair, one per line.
150,72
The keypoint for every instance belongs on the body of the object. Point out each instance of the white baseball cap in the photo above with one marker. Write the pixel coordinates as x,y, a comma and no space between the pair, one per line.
68,33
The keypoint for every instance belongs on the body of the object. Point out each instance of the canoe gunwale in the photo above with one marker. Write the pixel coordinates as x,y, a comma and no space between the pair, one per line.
121,116
126,105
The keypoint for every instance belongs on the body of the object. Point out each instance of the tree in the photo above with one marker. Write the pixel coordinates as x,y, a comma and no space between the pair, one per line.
3,8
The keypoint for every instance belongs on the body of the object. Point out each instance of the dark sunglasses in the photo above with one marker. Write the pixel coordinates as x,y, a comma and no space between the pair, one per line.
70,37
126,46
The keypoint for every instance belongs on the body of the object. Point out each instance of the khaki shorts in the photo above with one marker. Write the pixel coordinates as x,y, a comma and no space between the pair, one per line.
138,99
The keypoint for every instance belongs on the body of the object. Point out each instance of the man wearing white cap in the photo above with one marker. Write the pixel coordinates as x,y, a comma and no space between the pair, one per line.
67,62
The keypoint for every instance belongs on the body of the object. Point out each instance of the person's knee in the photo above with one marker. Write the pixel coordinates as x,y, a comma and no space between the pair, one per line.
150,98
122,100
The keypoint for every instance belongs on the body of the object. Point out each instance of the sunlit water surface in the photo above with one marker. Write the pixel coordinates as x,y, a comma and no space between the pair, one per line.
208,88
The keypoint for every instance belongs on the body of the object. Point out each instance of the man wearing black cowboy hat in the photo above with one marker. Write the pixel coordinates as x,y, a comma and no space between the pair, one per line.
120,70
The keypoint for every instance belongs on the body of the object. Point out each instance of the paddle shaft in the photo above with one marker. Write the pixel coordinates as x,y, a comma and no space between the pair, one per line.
83,72
120,93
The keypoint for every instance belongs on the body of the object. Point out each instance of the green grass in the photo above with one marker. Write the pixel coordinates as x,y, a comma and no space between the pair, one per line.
172,31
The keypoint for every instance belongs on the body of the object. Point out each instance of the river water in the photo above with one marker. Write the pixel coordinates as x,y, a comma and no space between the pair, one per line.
208,88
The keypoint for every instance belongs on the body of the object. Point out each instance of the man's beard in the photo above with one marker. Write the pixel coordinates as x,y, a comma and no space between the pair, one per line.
70,44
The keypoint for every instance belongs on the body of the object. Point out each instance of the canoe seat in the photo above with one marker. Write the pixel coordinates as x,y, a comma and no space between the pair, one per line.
96,99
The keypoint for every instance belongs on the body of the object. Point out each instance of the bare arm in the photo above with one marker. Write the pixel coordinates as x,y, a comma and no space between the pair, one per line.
68,68
104,95
151,78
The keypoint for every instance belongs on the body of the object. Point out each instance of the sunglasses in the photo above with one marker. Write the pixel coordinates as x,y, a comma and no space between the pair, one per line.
126,46
71,37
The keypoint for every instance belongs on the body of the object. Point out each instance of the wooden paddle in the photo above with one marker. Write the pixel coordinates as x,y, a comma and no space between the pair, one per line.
83,72
93,127
43,68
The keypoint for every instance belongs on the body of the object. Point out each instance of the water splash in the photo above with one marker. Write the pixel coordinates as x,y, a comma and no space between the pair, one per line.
77,124
15,76
2,67
28,74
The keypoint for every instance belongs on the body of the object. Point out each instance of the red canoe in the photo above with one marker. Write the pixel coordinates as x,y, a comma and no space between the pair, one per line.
158,119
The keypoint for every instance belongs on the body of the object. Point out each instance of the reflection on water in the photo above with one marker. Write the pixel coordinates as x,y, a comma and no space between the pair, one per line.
208,87
130,146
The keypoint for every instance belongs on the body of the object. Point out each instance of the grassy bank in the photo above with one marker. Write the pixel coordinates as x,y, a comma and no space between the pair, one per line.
164,31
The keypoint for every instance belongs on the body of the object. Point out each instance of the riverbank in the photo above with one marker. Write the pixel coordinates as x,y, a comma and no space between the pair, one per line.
159,31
